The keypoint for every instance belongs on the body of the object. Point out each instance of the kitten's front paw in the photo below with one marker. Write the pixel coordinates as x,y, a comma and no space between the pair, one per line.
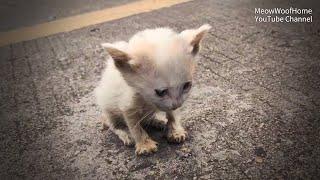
127,140
177,135
146,147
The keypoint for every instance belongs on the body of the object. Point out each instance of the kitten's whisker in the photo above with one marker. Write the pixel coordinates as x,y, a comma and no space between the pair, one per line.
145,116
149,122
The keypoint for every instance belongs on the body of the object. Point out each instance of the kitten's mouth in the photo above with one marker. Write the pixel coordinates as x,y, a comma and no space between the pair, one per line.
174,108
161,108
167,109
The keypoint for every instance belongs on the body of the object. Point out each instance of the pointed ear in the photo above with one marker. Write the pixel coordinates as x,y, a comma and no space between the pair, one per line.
194,37
121,58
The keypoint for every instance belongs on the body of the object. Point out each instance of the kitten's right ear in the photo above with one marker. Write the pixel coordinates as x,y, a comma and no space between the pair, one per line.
121,58
194,37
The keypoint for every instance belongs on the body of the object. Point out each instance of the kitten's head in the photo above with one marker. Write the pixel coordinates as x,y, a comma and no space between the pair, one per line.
159,64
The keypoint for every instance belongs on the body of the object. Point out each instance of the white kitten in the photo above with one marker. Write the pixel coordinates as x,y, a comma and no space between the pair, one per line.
152,72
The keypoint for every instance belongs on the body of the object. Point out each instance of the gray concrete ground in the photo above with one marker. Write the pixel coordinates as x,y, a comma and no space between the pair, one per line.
17,13
254,112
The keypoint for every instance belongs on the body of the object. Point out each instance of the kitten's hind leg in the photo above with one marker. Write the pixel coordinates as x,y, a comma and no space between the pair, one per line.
117,125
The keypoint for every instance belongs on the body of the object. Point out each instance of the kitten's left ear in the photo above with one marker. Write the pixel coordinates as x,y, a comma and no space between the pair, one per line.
194,37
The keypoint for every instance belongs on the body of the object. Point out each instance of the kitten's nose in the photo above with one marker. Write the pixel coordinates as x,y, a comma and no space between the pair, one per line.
175,105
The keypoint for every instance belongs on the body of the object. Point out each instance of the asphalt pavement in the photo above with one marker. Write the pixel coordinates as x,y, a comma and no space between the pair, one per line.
253,113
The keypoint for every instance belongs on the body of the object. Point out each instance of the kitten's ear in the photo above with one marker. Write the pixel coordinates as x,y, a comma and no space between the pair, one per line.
194,37
121,58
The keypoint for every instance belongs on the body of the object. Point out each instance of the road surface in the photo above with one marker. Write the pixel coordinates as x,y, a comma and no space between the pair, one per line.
253,114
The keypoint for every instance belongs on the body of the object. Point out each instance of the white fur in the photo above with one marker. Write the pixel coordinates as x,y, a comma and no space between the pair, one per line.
112,91
169,52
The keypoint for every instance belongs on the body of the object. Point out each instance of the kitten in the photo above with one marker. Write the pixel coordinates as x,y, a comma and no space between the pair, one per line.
153,72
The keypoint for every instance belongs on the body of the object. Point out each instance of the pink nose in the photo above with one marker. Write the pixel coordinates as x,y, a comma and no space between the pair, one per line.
175,105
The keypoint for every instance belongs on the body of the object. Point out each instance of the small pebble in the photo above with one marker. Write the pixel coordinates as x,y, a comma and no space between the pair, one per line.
259,159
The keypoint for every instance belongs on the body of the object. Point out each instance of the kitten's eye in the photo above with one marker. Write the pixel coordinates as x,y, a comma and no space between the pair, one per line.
187,86
162,92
